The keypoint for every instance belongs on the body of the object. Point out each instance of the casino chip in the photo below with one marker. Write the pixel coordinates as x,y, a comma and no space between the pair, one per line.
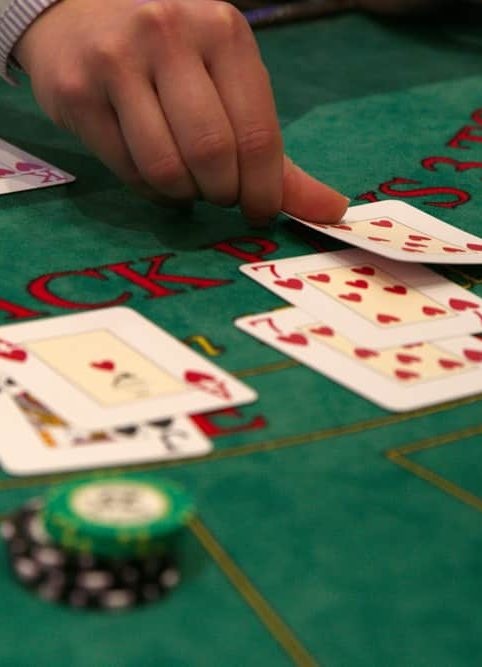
118,517
79,579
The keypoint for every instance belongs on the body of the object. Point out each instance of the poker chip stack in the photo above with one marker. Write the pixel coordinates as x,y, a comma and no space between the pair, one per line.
100,544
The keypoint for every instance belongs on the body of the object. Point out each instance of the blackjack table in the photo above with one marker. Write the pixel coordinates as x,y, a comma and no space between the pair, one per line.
329,531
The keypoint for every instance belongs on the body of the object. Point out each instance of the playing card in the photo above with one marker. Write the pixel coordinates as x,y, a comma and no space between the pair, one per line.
384,302
396,230
111,366
21,171
36,440
398,378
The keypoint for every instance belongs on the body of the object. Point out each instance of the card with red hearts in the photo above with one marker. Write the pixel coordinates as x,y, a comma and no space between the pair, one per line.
21,171
45,443
110,366
396,230
398,378
383,301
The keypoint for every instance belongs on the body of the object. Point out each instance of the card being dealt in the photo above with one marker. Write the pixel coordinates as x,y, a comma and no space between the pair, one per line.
382,301
21,171
396,230
113,366
36,440
398,378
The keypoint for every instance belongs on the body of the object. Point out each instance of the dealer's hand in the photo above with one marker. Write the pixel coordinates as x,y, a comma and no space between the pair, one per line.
174,98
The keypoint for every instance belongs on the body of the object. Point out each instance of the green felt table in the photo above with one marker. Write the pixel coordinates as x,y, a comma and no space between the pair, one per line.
330,532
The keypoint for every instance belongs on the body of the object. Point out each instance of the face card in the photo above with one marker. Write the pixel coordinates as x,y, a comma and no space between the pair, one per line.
397,378
36,440
384,302
396,230
111,366
21,171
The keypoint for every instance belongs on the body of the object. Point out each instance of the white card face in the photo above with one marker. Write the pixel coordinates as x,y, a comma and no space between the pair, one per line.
36,440
113,366
384,302
396,230
21,171
398,378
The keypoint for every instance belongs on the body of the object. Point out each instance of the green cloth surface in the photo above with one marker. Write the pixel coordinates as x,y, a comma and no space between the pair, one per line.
331,532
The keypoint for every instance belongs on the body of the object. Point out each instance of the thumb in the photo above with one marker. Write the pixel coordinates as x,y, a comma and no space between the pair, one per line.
306,198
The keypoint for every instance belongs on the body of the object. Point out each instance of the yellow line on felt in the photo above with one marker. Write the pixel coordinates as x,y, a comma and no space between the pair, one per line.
434,441
438,481
268,368
245,450
276,626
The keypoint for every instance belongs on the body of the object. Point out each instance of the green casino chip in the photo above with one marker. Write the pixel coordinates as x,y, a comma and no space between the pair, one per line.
118,517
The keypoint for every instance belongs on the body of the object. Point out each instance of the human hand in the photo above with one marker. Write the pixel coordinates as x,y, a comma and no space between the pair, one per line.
174,98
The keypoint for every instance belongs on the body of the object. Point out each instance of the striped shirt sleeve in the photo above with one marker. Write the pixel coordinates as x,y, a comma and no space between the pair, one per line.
15,18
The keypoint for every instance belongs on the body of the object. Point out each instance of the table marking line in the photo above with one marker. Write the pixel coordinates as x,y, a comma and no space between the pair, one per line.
435,441
267,368
276,444
399,457
277,628
440,482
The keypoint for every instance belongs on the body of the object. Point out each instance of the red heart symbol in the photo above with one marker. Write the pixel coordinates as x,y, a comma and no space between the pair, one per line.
344,227
453,249
377,238
411,250
320,277
382,223
323,331
365,270
27,166
365,354
290,283
6,172
362,284
386,319
411,244
408,358
14,355
396,289
406,375
197,376
473,355
449,363
208,383
474,246
416,237
350,297
294,338
460,304
103,365
431,311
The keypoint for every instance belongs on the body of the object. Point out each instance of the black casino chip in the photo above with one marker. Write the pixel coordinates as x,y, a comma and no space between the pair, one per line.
80,580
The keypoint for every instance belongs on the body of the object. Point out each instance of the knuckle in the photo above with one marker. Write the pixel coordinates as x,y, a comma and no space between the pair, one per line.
230,21
71,91
160,17
210,147
258,141
165,172
107,54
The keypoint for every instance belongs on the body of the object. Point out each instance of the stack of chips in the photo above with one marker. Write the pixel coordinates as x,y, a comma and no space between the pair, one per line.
100,544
